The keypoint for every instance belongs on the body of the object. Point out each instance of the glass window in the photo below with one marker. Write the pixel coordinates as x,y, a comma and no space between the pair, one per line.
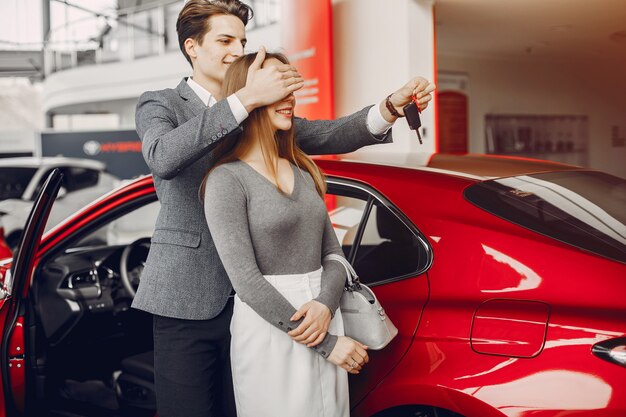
79,178
345,214
13,181
145,29
74,179
374,239
581,208
388,248
171,15
124,230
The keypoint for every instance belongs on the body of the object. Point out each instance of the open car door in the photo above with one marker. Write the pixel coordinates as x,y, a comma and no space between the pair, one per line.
12,295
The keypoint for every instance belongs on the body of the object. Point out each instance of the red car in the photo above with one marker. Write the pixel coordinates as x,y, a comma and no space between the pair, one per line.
506,279
5,250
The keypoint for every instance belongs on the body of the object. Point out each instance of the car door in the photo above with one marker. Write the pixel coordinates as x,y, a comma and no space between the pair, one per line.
391,256
12,294
79,188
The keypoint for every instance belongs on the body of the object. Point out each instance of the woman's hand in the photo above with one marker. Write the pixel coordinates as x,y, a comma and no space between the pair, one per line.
349,355
313,328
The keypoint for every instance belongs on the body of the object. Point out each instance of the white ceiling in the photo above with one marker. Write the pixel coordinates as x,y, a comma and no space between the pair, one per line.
589,30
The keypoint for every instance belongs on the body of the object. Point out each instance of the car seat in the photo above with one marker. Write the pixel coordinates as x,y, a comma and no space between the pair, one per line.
135,383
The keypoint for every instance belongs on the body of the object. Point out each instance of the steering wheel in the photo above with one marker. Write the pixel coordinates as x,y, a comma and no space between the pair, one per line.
130,279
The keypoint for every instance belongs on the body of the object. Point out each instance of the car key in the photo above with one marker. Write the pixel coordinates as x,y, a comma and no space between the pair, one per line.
411,111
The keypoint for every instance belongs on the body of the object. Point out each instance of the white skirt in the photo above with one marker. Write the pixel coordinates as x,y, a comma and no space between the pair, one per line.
273,376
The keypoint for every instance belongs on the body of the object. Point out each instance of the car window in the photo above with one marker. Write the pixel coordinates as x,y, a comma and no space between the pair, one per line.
134,225
580,208
345,214
375,237
388,248
126,229
77,178
74,179
14,180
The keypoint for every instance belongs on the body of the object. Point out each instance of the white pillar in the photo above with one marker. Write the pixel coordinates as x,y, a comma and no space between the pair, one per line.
378,46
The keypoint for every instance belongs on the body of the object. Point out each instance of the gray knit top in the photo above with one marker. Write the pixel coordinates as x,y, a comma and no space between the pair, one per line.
259,231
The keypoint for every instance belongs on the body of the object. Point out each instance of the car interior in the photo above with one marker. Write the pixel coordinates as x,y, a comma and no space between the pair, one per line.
394,252
387,248
91,354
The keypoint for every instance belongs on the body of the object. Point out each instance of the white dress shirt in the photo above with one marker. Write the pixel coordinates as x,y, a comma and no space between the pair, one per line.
376,123
239,111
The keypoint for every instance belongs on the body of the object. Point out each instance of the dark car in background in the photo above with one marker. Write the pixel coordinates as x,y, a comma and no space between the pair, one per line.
506,279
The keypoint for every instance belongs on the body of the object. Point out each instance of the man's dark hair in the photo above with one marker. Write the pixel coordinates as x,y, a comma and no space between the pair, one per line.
193,19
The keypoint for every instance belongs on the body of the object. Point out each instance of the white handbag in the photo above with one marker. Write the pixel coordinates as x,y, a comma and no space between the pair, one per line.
364,319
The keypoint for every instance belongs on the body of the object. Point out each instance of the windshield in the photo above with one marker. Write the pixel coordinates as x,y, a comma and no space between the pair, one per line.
585,209
13,181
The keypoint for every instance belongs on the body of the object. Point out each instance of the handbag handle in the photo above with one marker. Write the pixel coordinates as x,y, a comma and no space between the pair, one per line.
353,278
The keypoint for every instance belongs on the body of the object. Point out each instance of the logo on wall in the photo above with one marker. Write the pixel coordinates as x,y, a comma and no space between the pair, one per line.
91,148
120,150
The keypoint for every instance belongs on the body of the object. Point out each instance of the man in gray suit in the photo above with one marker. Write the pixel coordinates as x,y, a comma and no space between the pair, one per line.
184,284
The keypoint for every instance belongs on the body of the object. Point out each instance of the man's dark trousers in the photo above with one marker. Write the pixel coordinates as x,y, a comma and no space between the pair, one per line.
192,366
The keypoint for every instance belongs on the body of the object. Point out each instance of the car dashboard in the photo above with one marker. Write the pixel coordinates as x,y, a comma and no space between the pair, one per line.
83,287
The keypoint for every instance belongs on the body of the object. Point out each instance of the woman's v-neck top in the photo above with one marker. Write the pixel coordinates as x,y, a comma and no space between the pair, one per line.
259,230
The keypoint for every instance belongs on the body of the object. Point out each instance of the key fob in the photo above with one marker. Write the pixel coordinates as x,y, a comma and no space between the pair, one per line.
413,118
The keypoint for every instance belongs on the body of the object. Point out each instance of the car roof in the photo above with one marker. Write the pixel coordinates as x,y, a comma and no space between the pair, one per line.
57,161
473,166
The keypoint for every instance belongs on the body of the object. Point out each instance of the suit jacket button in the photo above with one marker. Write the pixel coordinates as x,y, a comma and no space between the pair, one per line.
280,323
224,131
288,329
324,352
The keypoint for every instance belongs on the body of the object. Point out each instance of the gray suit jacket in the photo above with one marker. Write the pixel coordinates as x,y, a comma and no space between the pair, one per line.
184,277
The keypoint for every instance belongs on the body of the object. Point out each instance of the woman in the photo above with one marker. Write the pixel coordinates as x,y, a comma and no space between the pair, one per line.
265,210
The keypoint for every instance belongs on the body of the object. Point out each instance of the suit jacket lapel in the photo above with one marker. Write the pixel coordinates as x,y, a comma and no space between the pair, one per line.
193,101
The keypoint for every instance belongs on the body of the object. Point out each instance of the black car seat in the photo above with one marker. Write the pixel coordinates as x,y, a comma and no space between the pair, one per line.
135,383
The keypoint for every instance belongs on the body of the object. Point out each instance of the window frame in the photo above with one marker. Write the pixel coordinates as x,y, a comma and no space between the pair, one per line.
353,187
43,174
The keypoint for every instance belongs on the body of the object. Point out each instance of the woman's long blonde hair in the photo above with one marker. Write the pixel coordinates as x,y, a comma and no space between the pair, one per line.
258,126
